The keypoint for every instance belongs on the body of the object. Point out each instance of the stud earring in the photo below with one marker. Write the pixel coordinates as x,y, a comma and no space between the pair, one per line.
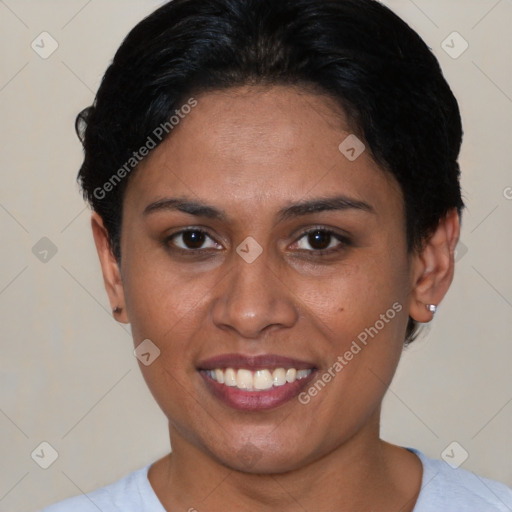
116,310
432,308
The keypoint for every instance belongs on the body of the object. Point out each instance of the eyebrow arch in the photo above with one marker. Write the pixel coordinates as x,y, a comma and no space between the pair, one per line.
187,206
299,209
323,204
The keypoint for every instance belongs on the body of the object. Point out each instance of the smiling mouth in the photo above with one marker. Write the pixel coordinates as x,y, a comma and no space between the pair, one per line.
258,380
255,382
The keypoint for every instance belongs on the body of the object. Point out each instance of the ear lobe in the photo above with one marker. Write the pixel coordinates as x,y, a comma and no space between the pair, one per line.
433,267
110,268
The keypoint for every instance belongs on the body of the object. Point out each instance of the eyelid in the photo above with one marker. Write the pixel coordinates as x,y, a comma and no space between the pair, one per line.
322,227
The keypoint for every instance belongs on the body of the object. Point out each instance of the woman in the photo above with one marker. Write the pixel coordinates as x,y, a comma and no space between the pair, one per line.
276,207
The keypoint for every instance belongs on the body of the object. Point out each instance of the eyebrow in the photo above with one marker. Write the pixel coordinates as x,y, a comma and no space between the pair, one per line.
299,209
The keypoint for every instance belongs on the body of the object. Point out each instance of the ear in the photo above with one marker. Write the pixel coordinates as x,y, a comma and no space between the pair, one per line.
433,267
110,268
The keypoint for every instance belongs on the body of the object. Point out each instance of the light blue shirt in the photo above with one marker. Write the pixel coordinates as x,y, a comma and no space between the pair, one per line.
443,489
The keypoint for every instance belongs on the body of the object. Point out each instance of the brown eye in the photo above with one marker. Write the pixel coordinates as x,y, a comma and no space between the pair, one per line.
320,241
191,239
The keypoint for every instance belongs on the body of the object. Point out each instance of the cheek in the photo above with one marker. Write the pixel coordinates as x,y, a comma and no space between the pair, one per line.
354,297
363,310
373,321
169,310
161,298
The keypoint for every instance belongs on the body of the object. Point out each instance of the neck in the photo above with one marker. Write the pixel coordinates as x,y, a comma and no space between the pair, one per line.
364,473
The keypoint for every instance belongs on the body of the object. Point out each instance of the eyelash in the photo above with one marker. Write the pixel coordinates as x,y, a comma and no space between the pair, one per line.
344,242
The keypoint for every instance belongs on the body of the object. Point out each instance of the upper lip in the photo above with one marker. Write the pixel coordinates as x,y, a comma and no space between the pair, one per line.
250,362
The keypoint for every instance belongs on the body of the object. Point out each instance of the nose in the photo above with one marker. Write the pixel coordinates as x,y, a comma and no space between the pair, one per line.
253,298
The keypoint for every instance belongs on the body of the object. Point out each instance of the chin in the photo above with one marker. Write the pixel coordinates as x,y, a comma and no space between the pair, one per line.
264,457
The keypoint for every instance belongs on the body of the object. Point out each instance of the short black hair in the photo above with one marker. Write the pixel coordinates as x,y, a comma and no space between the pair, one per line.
358,52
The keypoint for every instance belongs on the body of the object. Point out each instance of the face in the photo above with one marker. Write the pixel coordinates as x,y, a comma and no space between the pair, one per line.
252,247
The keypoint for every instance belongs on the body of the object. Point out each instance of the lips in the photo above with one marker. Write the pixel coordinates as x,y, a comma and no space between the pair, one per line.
255,382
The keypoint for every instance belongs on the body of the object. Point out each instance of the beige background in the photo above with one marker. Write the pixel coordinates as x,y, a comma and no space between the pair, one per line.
68,376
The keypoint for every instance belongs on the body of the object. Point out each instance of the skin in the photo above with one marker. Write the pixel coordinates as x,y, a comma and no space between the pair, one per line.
250,152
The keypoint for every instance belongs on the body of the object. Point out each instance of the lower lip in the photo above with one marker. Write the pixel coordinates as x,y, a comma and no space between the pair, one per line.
256,400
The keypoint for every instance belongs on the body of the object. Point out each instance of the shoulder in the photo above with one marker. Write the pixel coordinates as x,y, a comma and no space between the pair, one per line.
445,488
131,493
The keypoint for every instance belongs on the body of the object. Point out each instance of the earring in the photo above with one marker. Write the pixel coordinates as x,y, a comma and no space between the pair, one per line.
432,308
116,310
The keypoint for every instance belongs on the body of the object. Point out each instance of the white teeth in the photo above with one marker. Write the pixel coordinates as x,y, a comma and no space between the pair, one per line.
259,380
230,377
244,379
302,373
279,376
262,379
291,375
219,376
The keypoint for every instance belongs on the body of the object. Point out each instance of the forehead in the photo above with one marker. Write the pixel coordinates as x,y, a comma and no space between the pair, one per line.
252,146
